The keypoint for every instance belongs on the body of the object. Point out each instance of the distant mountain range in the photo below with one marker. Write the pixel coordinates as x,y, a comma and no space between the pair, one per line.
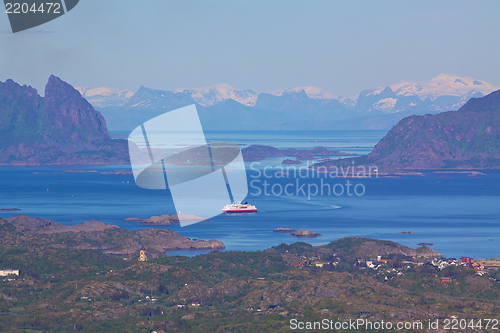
223,107
464,139
63,128
60,128
311,91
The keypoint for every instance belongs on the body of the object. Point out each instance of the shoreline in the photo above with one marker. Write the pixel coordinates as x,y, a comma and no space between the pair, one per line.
42,230
411,240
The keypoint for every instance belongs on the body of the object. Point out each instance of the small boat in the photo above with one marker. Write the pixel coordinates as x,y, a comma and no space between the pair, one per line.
239,208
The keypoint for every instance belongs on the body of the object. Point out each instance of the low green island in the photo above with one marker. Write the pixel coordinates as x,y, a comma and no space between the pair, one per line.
59,283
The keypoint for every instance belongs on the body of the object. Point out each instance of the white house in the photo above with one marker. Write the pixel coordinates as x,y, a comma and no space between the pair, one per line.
8,271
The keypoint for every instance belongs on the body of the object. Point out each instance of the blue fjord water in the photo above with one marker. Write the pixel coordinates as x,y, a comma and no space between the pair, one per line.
460,215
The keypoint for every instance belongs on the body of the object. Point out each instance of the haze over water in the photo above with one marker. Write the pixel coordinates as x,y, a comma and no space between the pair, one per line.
460,215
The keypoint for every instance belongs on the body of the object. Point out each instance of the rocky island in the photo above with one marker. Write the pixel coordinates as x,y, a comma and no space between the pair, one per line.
95,235
283,230
164,219
9,210
260,152
298,233
289,161
305,233
118,172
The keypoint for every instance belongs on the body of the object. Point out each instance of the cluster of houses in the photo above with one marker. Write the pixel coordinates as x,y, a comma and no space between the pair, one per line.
441,263
373,264
194,304
363,263
149,299
315,260
376,264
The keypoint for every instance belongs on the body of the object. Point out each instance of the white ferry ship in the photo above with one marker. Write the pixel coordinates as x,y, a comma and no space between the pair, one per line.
239,208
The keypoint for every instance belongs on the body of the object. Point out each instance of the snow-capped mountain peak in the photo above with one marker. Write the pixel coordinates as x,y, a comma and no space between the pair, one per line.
375,91
443,93
443,84
103,96
211,95
385,105
311,91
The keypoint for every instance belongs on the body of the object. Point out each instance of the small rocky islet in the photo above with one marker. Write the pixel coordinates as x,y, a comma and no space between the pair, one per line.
164,219
298,233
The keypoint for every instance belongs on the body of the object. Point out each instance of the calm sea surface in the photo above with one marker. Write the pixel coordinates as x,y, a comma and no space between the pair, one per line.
460,215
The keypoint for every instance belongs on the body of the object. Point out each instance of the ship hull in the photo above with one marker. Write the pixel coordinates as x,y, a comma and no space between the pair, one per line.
239,211
239,208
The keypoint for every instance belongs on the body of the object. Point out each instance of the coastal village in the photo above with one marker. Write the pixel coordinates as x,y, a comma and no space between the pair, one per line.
383,265
136,278
380,264
282,280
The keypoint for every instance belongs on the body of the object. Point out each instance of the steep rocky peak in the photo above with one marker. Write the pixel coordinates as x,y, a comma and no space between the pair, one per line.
68,109
56,86
60,128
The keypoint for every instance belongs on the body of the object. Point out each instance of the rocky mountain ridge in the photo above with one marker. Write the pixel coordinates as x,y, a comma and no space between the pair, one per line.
60,128
465,139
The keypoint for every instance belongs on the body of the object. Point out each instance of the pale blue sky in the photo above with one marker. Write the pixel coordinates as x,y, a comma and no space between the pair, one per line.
341,46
